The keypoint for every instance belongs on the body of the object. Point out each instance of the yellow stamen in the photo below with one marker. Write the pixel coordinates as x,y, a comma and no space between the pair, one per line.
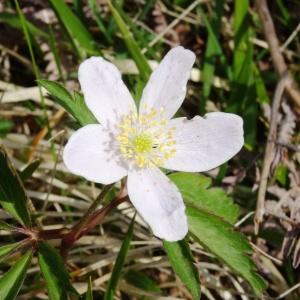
145,139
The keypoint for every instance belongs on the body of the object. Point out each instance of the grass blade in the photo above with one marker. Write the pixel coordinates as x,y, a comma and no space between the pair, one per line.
116,273
32,57
74,28
243,95
89,293
141,281
132,46
212,52
13,20
93,6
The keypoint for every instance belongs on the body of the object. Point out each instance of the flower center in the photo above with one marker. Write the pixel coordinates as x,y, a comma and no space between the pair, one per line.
146,140
142,143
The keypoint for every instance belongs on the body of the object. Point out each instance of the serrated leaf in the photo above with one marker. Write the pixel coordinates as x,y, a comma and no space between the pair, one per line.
116,272
12,280
13,197
29,170
74,105
181,259
228,245
86,116
196,192
55,274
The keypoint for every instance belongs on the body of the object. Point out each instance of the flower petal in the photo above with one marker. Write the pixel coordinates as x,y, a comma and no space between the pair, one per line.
205,143
159,202
167,85
90,153
104,91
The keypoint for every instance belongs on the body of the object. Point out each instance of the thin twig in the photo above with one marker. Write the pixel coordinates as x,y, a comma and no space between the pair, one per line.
246,217
274,259
295,148
172,24
23,60
277,57
293,288
290,38
43,132
269,152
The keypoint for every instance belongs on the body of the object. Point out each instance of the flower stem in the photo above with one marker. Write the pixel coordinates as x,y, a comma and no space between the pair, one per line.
91,209
98,215
90,219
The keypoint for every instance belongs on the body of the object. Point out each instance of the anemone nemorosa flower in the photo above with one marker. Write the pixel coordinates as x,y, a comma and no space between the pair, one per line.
136,142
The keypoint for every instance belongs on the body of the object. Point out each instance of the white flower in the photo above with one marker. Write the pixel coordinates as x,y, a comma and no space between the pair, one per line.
135,143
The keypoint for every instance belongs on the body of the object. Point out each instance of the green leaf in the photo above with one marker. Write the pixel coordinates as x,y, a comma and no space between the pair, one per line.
286,18
181,259
196,192
5,226
29,170
261,90
243,95
213,49
281,174
242,34
13,20
131,44
74,105
116,272
5,126
54,272
75,29
98,18
231,247
86,115
6,249
141,281
12,280
13,197
89,293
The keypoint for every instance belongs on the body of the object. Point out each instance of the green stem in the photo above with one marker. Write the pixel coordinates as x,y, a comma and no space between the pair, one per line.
91,209
80,228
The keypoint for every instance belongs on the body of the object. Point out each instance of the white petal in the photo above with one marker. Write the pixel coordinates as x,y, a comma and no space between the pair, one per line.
104,91
90,153
167,85
159,202
205,143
